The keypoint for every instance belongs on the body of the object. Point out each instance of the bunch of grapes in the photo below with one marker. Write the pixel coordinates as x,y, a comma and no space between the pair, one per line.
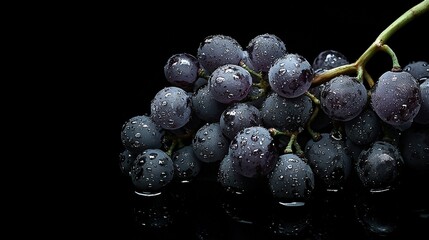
256,115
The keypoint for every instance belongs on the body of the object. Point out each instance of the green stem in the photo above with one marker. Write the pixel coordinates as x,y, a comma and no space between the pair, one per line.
298,149
401,21
291,143
396,67
203,74
251,71
314,135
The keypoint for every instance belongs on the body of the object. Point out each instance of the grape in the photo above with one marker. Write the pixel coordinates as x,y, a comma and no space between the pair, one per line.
237,117
414,146
253,152
209,144
363,129
181,70
422,116
418,69
126,159
186,164
171,108
330,162
329,59
286,114
343,98
231,180
379,166
230,83
140,133
218,50
292,179
205,106
353,149
264,49
151,171
396,98
290,76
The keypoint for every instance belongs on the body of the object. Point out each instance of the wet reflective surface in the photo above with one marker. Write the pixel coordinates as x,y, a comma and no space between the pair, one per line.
203,209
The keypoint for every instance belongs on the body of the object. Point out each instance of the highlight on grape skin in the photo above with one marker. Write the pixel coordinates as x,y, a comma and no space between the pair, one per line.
151,171
171,108
396,98
230,83
290,76
265,133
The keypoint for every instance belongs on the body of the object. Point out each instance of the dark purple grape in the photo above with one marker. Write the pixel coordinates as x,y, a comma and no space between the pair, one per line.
181,70
343,98
219,50
353,149
205,106
186,164
200,82
286,114
292,179
329,59
231,180
237,117
414,146
230,83
379,167
419,70
151,171
422,116
363,129
209,144
171,108
290,76
140,133
253,152
126,159
330,162
264,49
396,98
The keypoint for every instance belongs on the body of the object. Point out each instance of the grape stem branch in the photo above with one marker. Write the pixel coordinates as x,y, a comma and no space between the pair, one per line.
378,45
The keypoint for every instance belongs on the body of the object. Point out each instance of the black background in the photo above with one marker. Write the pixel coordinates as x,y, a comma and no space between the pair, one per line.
125,47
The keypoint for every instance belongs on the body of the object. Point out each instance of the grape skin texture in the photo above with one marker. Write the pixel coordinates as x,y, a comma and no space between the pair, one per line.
264,49
330,161
290,76
292,179
230,83
396,98
140,133
329,59
231,180
363,129
186,164
152,170
415,149
209,144
286,114
219,50
422,116
171,108
237,117
419,70
379,166
181,70
253,152
205,106
343,98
